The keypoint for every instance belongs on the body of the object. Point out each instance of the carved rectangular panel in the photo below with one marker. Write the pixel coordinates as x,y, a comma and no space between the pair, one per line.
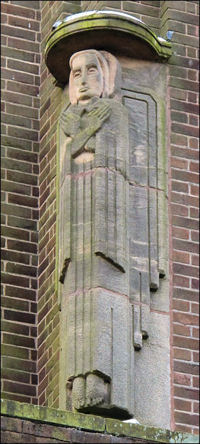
146,205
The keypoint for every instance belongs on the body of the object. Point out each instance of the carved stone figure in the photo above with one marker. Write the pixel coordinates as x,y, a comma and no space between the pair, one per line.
96,313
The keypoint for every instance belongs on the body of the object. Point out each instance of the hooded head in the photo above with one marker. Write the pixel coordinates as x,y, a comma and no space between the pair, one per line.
93,74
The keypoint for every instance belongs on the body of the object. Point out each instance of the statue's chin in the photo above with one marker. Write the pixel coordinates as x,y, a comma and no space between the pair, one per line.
86,98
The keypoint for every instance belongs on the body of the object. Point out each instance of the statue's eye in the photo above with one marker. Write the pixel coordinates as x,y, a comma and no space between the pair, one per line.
92,69
76,74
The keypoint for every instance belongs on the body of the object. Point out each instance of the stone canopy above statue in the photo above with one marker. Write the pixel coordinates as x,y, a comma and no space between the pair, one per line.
116,31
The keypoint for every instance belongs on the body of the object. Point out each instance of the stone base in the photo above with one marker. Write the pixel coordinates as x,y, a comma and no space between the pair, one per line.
22,423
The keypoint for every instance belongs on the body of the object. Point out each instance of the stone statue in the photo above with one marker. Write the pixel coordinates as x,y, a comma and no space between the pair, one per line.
96,314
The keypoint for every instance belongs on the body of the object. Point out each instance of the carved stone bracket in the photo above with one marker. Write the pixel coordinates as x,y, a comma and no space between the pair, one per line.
106,29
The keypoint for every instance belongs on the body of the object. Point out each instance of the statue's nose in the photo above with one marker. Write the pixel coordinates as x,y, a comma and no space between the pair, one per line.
83,77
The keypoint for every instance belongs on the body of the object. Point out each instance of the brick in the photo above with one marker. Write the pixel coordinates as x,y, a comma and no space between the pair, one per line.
194,143
181,305
23,44
184,84
18,188
195,236
23,23
22,246
22,200
181,354
22,133
186,393
18,316
184,222
32,5
15,280
185,418
185,270
22,110
13,164
14,375
13,142
179,117
183,342
179,94
18,364
194,189
184,175
192,97
194,166
11,424
196,356
17,98
195,331
21,269
185,367
194,213
27,224
8,255
14,328
16,120
30,179
20,77
182,379
195,308
185,318
196,407
189,40
15,233
180,210
181,16
19,11
14,387
195,283
184,106
182,152
188,295
179,404
180,233
183,245
195,381
18,32
180,281
16,304
14,351
20,341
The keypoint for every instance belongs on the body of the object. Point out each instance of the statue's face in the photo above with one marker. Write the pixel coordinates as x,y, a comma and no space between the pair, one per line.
87,77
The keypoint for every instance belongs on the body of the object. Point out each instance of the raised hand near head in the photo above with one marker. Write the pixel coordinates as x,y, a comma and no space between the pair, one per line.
98,115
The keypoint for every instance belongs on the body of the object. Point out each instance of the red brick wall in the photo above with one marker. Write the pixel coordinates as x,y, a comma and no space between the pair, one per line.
30,108
182,18
20,147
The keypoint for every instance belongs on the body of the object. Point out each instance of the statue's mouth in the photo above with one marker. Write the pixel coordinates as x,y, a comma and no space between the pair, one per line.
83,89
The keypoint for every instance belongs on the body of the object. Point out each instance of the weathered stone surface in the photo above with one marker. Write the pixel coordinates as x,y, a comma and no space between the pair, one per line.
152,374
97,351
29,423
112,220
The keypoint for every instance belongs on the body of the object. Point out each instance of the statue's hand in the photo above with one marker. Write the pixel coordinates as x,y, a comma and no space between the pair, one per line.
98,115
69,123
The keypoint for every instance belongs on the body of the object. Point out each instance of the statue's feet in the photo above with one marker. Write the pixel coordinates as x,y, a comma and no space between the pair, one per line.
97,391
89,391
78,393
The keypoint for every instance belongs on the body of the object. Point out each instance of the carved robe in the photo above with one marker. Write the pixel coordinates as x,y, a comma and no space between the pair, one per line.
93,262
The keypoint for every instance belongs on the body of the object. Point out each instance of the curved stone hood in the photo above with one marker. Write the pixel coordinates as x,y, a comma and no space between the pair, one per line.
118,32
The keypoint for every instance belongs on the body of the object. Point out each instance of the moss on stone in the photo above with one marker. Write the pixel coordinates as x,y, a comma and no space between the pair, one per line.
92,423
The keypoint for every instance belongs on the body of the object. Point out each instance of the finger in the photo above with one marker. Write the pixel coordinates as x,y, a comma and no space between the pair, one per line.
102,107
104,113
